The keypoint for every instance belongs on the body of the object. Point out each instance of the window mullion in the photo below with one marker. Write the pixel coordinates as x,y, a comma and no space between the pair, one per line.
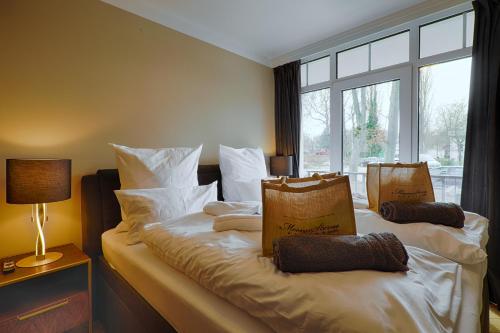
406,123
464,34
370,57
334,111
414,55
336,129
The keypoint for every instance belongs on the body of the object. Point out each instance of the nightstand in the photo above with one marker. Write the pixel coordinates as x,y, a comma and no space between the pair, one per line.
56,297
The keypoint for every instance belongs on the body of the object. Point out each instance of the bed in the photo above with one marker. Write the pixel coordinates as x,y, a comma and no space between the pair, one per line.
137,291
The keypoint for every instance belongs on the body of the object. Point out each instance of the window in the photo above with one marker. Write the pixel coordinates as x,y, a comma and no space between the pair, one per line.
390,51
371,125
443,106
303,75
316,131
371,128
447,35
353,61
442,36
374,55
469,29
374,109
318,71
315,72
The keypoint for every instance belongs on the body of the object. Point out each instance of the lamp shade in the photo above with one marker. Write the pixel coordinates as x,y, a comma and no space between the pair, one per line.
281,165
31,181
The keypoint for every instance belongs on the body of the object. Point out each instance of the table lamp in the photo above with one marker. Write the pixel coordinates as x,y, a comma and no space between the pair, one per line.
38,182
281,165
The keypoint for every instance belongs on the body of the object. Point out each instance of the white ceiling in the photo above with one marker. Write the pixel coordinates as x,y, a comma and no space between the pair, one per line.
262,30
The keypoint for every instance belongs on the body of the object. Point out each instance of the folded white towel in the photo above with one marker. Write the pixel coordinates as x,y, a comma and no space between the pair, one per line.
242,222
217,208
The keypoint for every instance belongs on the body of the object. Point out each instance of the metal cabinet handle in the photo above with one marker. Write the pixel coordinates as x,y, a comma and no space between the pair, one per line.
42,311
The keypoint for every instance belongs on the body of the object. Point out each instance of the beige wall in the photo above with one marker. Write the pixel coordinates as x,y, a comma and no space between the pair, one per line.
75,75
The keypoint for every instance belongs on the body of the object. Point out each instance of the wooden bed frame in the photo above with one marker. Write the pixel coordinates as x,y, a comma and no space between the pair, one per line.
117,305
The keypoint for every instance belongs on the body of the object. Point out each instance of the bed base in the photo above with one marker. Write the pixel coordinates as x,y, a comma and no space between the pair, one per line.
120,308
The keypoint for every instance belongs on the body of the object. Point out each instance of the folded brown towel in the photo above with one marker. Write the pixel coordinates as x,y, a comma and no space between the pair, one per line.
319,253
448,214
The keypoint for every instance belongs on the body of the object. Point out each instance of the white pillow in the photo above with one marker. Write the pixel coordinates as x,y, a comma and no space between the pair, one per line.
143,206
464,246
156,168
242,169
239,191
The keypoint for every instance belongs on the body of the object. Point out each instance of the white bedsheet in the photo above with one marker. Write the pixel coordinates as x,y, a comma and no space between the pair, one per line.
425,299
190,307
186,305
472,298
462,245
466,246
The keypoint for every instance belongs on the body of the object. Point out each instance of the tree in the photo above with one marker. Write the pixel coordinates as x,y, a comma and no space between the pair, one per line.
393,123
316,106
374,135
358,131
453,124
316,111
424,112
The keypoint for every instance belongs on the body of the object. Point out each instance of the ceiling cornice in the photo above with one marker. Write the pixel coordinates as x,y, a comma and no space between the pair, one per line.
406,15
165,18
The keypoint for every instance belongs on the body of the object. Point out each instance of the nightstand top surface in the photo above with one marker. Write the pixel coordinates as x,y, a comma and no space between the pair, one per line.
72,256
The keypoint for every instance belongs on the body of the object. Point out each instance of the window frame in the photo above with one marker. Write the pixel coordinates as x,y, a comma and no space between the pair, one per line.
307,85
441,20
409,79
369,44
301,157
401,73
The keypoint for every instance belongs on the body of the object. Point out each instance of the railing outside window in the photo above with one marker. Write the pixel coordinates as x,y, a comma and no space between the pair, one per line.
447,183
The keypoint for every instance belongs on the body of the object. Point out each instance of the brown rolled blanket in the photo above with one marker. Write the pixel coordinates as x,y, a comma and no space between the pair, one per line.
321,253
448,214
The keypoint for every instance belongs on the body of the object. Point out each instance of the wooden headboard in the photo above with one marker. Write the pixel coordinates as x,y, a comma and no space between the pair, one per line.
100,208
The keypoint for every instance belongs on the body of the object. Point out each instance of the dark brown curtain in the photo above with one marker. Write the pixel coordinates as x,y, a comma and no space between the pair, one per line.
287,111
481,183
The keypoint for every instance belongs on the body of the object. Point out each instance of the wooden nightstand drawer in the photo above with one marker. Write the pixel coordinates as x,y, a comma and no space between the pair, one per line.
59,316
51,298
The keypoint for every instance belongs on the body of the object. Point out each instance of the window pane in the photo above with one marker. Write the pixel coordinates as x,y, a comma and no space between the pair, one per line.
318,71
303,75
316,130
352,61
443,106
442,36
390,51
371,129
469,33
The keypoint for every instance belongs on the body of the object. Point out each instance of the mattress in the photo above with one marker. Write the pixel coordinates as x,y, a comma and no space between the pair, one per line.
187,306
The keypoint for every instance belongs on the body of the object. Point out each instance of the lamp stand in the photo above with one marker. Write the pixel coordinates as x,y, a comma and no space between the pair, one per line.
39,217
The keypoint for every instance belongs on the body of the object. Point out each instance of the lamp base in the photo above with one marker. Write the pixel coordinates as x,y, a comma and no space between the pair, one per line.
33,261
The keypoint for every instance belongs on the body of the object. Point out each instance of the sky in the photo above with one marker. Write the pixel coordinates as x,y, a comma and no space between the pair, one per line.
450,83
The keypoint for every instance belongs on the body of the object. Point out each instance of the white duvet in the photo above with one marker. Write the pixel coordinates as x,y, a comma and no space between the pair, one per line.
424,299
462,245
